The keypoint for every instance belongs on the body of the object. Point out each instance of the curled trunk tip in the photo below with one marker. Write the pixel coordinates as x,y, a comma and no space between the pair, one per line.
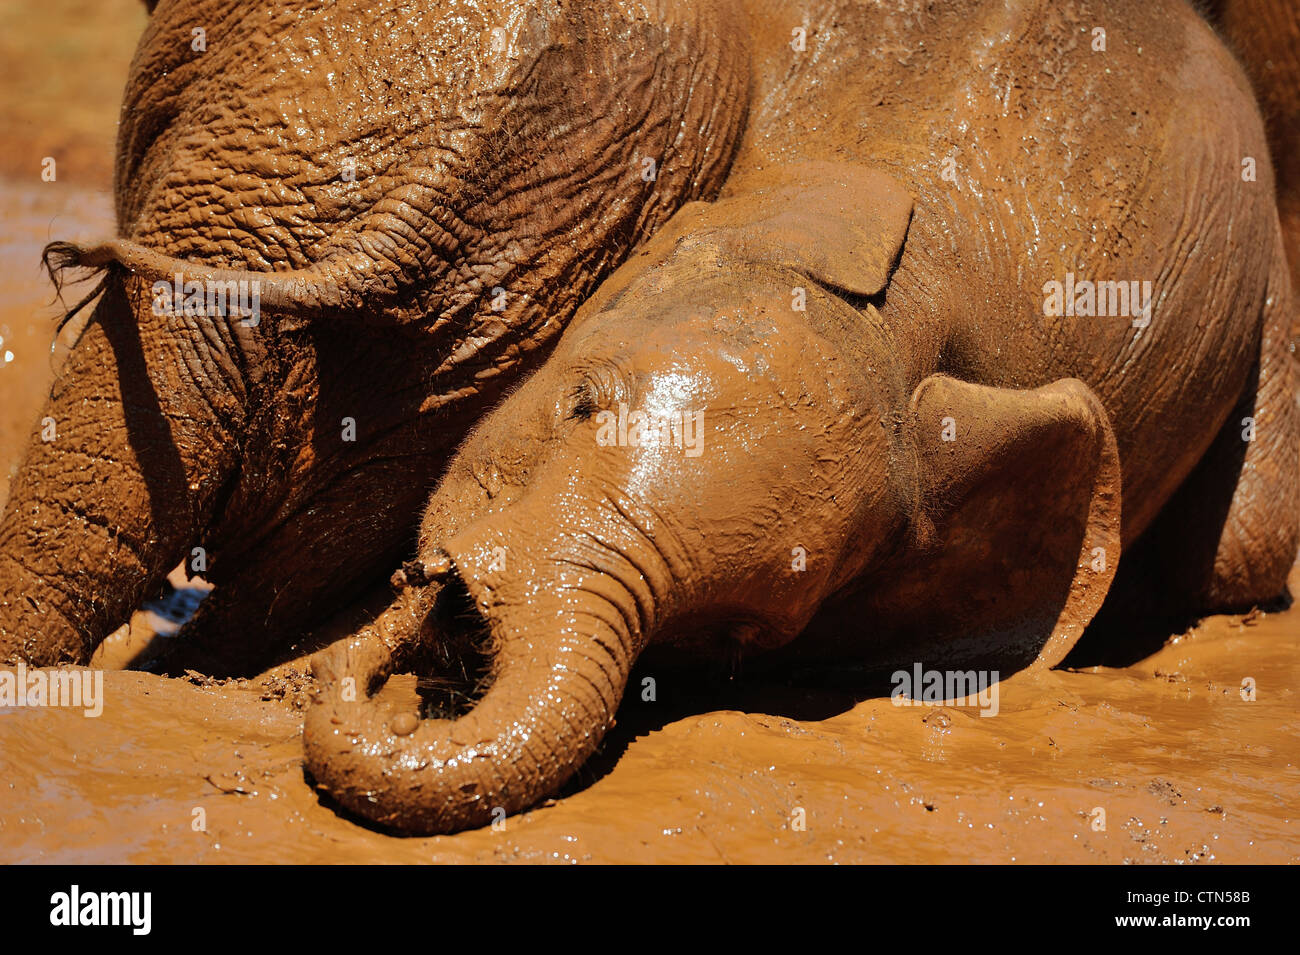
557,683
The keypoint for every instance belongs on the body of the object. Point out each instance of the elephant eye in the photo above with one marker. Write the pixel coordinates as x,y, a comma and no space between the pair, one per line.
600,385
584,402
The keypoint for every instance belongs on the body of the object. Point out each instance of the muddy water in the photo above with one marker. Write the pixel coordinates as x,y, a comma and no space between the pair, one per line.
1166,755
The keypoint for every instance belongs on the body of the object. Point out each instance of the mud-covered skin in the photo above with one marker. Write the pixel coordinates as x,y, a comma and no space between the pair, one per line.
1072,433
1266,36
428,191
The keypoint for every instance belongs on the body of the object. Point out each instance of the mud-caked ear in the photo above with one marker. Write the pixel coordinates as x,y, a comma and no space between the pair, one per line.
1020,497
840,224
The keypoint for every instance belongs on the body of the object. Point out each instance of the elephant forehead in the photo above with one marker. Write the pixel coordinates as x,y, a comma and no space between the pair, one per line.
252,132
693,365
699,284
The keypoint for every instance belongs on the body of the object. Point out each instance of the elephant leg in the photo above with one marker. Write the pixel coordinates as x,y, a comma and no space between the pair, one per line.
241,626
1249,482
266,611
227,637
1228,537
1257,541
272,591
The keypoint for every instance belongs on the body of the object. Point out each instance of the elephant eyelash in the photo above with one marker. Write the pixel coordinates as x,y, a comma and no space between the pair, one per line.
585,403
600,385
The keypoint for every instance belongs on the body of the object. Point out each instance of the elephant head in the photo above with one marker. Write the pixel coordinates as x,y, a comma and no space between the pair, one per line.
414,199
729,396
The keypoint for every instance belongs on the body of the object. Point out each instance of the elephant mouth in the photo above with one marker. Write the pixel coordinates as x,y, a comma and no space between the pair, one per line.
460,669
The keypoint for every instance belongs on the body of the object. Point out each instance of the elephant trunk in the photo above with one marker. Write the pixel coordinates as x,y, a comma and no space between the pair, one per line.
126,464
562,637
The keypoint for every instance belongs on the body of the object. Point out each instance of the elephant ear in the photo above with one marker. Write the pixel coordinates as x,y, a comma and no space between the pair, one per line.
840,224
1020,522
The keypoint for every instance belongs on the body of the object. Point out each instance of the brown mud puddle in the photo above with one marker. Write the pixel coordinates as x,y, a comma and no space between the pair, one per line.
1183,768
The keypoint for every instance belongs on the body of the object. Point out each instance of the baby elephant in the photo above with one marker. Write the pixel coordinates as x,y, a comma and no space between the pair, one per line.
732,447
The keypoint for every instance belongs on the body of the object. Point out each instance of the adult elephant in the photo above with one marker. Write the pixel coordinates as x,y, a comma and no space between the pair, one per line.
417,195
991,314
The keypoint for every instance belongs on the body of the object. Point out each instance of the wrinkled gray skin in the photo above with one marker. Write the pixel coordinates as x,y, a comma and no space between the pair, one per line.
962,470
498,152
